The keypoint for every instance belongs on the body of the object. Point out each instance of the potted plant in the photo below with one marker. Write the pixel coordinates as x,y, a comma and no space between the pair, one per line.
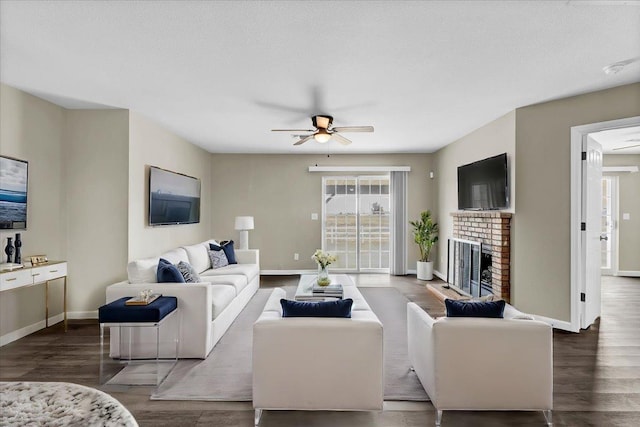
425,234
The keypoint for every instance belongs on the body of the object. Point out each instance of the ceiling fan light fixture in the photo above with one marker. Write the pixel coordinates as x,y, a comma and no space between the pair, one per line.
616,67
613,68
322,136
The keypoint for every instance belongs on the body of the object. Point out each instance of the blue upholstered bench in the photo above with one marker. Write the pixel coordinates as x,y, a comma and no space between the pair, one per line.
134,356
118,312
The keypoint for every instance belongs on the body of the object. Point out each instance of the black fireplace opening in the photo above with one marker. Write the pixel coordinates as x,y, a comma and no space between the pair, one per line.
485,272
469,267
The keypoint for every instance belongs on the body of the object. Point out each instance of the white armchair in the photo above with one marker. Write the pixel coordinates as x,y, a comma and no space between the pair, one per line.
310,363
468,363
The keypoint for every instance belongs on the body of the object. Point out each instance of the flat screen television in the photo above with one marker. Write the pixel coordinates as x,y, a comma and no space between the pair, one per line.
14,175
484,185
174,198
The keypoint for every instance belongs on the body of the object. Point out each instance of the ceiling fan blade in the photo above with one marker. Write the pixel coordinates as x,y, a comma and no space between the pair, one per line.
628,146
293,130
353,129
303,140
341,139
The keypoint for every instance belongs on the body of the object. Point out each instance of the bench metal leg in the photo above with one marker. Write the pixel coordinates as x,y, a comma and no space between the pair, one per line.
438,418
548,416
257,416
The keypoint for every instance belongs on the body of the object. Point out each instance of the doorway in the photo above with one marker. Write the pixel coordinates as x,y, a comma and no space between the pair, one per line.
586,221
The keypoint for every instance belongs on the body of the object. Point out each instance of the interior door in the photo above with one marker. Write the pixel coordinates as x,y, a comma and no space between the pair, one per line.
591,236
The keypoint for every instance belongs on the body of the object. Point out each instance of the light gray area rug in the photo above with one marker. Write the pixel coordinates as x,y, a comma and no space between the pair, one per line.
225,375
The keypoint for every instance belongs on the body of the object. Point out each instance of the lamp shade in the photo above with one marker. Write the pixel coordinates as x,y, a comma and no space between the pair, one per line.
244,223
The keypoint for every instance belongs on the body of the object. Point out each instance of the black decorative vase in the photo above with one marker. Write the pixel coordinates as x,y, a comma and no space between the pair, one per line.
18,244
9,249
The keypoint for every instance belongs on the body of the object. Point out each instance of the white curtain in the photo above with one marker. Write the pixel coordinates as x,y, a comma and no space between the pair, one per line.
399,223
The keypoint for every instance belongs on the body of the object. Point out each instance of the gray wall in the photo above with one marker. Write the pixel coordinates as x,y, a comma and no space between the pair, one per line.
542,257
88,178
152,145
32,130
280,193
629,202
95,166
492,139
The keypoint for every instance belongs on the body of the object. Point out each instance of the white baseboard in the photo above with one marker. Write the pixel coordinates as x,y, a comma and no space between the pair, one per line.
286,272
628,273
82,314
292,272
555,323
23,332
435,273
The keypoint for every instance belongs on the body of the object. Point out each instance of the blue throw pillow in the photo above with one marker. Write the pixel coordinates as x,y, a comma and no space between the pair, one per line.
227,247
338,308
229,251
168,273
474,309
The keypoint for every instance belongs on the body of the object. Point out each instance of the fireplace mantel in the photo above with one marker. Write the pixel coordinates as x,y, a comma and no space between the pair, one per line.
493,230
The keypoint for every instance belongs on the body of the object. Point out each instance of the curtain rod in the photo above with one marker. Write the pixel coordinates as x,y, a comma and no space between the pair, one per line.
359,168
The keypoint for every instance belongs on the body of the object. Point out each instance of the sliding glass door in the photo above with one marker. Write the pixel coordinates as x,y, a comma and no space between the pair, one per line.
355,222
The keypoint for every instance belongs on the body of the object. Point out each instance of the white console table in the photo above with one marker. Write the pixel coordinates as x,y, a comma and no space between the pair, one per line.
35,275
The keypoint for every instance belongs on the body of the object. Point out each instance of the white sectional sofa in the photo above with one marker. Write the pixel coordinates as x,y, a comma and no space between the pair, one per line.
310,363
206,309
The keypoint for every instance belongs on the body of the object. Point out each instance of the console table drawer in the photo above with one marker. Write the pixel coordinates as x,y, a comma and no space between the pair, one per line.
15,279
49,272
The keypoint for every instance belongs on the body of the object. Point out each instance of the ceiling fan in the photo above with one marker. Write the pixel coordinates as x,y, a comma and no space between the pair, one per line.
323,131
629,146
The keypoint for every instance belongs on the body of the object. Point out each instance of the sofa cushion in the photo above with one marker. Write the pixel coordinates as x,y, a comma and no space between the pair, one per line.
143,270
249,271
339,308
221,297
168,273
198,256
474,308
188,272
174,256
227,247
218,258
238,281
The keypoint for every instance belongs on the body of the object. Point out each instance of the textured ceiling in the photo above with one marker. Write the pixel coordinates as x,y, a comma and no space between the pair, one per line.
222,74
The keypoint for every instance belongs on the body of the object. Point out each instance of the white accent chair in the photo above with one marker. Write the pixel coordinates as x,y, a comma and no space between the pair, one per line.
311,363
479,364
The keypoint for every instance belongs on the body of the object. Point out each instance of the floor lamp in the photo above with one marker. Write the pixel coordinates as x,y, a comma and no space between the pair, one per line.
244,224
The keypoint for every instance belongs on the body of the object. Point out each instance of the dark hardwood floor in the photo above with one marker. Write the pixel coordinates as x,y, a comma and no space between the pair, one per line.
596,372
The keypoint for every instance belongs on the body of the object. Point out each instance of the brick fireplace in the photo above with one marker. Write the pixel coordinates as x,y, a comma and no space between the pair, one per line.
493,230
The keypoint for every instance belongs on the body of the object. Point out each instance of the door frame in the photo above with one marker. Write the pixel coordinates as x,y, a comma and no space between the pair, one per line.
578,133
